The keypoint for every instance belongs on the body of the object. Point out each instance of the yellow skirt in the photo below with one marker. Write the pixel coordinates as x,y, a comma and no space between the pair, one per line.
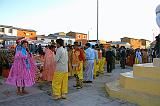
101,67
95,68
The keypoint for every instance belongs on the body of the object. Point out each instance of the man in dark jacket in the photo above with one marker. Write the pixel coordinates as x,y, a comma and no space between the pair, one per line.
109,58
1,64
122,57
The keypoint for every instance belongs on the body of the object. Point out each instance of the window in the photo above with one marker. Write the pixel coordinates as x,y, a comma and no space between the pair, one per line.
1,29
69,41
27,34
84,36
10,31
79,36
52,40
80,43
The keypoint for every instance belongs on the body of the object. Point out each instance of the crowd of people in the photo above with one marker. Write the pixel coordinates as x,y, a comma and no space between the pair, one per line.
127,56
84,63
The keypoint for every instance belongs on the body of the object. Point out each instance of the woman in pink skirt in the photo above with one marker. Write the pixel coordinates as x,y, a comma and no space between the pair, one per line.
22,73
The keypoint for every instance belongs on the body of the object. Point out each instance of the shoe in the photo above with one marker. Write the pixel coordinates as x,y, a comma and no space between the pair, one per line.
75,85
108,74
84,81
97,75
79,87
56,97
89,82
19,93
24,92
63,96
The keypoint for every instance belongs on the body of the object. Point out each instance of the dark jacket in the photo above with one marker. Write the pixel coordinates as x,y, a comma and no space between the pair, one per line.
109,55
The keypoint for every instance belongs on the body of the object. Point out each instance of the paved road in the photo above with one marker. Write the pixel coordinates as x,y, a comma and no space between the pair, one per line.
90,95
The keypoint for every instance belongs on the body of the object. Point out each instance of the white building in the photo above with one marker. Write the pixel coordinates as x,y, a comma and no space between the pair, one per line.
52,38
148,43
8,30
119,44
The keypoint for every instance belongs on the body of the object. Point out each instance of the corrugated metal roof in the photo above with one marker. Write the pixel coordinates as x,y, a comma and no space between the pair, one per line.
7,26
119,43
6,37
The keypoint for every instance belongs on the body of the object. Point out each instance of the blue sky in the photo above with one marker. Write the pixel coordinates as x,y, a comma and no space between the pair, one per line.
117,18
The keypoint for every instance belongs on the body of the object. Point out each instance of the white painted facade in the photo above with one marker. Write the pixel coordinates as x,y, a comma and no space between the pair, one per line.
148,44
7,31
48,40
68,41
125,44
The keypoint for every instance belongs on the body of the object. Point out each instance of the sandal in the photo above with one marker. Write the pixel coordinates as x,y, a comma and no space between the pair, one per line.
56,97
63,96
24,92
19,93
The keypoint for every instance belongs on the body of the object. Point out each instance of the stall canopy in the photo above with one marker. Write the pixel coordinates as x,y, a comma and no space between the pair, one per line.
8,38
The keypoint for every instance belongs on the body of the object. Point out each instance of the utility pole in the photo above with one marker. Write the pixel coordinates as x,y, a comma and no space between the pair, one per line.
97,20
153,34
88,35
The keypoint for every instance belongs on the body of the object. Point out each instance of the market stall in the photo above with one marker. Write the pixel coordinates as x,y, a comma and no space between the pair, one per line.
6,60
39,59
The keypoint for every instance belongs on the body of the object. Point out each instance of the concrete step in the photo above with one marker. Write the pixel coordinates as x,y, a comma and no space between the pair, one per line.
140,98
146,85
147,70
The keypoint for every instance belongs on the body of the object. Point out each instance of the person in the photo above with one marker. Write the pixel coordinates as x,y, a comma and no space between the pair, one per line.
40,50
144,56
95,61
109,58
31,48
158,15
18,46
138,57
70,71
103,58
157,46
22,73
46,49
77,65
99,59
153,54
89,69
49,64
60,80
132,58
122,57
113,48
1,64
